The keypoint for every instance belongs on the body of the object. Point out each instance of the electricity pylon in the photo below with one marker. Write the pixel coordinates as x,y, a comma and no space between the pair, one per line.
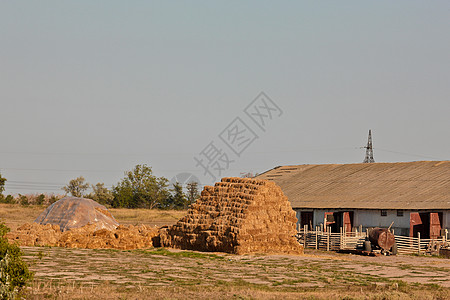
369,150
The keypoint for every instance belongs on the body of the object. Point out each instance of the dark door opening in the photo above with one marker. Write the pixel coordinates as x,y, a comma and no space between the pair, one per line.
306,219
330,220
419,222
336,220
428,224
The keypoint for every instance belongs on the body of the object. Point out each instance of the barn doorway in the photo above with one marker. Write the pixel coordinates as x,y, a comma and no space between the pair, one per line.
306,219
336,220
428,224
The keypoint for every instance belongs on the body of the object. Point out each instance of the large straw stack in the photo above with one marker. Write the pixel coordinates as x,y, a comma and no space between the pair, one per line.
237,215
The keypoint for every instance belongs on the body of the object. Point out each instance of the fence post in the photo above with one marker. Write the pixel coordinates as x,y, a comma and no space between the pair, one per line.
317,242
344,238
306,233
328,239
418,241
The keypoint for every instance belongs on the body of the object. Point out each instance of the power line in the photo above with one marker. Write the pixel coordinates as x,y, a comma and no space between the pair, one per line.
409,154
62,170
160,153
33,182
89,154
104,171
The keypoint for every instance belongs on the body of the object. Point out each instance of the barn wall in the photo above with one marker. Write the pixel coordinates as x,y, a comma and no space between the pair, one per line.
366,218
446,219
373,218
319,216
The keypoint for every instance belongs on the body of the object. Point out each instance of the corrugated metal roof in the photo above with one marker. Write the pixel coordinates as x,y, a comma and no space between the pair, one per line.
406,185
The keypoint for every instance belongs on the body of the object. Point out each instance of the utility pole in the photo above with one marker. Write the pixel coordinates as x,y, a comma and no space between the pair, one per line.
369,150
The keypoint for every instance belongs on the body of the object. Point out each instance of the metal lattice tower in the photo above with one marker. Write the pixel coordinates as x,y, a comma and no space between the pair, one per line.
369,150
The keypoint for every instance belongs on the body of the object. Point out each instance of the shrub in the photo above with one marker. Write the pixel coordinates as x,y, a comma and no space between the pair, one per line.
40,199
23,200
10,199
14,272
101,194
52,199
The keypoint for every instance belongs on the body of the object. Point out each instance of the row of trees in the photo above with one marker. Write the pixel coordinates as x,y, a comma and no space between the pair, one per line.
138,189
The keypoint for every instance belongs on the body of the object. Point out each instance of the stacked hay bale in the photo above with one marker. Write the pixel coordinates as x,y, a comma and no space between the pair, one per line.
237,215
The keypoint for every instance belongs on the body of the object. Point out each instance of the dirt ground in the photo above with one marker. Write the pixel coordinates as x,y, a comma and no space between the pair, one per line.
314,274
62,273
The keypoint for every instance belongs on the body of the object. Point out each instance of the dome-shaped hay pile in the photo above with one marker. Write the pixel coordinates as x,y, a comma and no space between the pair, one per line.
73,212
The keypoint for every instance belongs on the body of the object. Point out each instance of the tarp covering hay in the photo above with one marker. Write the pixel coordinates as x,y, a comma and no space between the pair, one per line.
73,212
237,215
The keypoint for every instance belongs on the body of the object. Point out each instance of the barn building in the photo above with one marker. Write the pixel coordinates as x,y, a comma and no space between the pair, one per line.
413,195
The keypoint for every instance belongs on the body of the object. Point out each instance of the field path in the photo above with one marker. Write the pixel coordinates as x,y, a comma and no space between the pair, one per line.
162,267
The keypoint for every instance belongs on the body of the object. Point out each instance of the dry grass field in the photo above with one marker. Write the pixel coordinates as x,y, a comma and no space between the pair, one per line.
15,215
172,274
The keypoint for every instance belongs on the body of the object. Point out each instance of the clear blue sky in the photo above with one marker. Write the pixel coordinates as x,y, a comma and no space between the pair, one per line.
93,88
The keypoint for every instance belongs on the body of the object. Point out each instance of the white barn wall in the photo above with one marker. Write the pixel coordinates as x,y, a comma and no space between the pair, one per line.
372,218
446,220
319,216
368,218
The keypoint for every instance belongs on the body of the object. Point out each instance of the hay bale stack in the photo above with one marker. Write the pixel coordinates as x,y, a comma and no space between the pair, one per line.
237,215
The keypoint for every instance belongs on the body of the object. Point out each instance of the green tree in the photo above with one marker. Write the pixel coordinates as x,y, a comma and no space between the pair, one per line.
2,186
76,187
178,199
23,200
8,199
101,194
14,272
140,188
192,192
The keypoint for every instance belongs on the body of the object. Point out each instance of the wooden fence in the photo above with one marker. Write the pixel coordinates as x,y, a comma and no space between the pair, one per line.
410,245
328,241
